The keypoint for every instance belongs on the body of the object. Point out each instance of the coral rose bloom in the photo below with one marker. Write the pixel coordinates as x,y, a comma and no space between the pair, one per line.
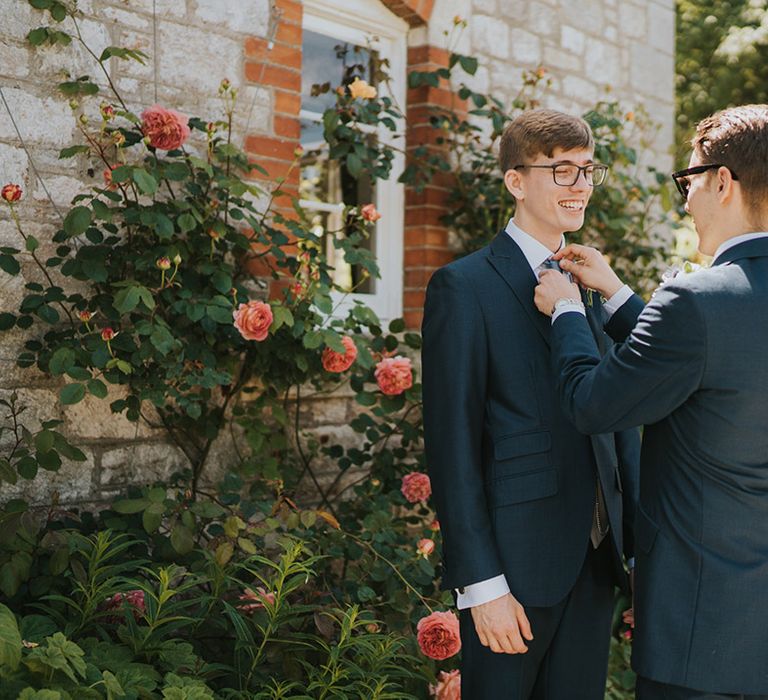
166,129
254,600
370,213
425,547
11,193
394,375
448,686
253,320
337,362
438,635
416,487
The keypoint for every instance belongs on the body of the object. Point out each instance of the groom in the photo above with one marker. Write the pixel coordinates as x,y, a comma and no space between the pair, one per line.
533,514
694,370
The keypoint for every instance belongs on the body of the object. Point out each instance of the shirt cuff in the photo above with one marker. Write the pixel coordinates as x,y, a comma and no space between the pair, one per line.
482,592
631,563
567,308
612,305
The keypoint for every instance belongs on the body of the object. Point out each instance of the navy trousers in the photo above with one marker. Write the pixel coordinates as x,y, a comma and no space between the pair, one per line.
568,657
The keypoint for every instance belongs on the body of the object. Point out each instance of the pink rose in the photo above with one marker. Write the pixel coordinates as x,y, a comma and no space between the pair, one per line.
394,375
254,600
435,525
425,547
416,487
369,213
253,320
166,129
448,686
108,178
337,362
438,635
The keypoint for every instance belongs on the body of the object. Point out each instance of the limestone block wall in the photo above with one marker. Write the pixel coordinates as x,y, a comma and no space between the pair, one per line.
592,49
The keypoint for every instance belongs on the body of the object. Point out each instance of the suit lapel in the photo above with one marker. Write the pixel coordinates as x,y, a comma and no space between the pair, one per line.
594,311
508,260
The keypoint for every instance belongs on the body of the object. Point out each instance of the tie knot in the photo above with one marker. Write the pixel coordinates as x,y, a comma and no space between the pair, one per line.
550,264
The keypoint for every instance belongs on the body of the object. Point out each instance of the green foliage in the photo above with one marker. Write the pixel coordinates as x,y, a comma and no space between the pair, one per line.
721,61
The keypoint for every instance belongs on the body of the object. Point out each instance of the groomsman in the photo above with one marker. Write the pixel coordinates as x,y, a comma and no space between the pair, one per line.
694,371
534,515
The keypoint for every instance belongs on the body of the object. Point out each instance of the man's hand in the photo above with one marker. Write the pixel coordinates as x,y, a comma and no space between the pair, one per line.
501,624
590,268
553,286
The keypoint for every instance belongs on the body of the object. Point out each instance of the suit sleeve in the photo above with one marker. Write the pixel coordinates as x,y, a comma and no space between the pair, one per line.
621,323
454,376
628,453
640,381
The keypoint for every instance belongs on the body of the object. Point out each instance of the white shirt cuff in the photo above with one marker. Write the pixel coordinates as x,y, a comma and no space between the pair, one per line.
482,592
567,308
612,305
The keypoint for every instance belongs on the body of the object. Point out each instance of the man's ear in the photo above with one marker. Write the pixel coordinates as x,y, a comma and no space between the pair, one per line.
725,185
513,181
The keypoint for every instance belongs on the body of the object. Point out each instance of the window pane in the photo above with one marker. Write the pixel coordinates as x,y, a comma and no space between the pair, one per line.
330,61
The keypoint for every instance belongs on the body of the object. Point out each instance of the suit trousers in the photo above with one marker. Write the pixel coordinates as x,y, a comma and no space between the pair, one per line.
568,657
647,689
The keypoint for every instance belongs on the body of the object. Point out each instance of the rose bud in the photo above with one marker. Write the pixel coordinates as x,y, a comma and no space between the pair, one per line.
164,263
11,193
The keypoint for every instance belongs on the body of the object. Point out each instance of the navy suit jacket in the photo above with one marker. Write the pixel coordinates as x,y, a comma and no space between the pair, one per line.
694,371
513,479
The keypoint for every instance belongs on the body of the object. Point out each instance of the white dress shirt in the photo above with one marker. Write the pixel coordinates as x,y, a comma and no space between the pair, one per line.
743,238
536,254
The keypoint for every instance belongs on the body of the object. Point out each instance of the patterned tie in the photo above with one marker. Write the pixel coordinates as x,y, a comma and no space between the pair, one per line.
550,264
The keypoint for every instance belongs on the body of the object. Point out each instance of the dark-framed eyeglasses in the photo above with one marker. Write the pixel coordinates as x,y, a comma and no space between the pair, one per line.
683,183
567,174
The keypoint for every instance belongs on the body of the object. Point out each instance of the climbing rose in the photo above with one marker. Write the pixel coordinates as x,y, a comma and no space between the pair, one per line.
107,334
108,178
253,320
85,315
425,547
448,686
369,213
11,193
438,635
394,375
163,263
340,362
360,88
416,487
166,129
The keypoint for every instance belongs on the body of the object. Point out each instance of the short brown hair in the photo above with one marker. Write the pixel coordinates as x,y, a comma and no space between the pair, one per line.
737,137
541,131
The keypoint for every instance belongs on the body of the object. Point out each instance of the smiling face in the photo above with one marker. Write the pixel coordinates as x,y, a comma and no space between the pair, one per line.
545,209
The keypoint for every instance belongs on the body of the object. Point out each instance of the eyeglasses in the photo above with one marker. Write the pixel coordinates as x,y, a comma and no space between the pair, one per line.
684,184
567,174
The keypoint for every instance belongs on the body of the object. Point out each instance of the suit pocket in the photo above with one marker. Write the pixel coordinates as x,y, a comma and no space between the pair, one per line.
520,453
645,531
524,487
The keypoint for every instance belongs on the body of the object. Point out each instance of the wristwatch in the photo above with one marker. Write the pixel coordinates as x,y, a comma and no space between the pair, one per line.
566,301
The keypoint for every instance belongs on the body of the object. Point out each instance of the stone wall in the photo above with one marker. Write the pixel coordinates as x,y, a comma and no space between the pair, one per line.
587,47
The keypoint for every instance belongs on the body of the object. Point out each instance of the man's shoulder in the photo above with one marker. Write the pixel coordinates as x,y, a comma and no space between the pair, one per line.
467,265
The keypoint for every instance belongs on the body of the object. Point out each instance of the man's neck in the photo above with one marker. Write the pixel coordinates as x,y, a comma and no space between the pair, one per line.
550,239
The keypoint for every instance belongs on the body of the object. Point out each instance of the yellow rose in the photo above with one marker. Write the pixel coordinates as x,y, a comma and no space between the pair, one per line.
361,89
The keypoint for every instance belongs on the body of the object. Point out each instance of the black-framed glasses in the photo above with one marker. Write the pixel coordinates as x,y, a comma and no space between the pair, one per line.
684,184
567,174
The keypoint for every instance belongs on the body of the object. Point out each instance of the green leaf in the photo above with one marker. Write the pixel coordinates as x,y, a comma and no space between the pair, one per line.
48,314
354,165
162,339
186,222
152,517
37,36
122,173
7,321
9,264
97,388
31,244
182,539
7,472
10,640
131,505
72,151
126,300
469,64
101,210
147,184
61,361
77,220
397,325
221,281
44,441
282,316
72,393
163,226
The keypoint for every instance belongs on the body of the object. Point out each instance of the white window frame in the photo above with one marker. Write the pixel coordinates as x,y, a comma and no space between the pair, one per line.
372,24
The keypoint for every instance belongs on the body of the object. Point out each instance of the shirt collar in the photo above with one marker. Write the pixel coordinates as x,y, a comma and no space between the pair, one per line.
534,251
730,242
